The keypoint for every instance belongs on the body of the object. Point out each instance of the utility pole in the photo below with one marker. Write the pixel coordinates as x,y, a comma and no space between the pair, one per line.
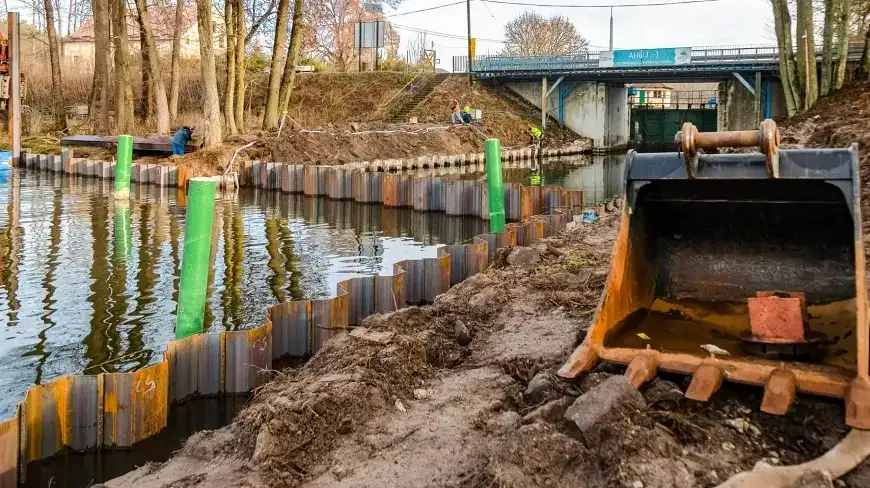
611,28
468,12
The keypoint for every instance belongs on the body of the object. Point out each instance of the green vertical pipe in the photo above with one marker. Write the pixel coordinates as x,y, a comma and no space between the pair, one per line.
123,231
197,252
495,188
123,167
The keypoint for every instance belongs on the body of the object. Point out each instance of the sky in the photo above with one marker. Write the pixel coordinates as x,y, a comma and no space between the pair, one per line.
722,22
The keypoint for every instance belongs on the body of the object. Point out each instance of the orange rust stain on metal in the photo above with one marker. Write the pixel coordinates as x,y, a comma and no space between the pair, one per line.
9,438
149,401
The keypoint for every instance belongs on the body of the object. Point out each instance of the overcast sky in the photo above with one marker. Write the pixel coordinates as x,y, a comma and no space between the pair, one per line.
722,22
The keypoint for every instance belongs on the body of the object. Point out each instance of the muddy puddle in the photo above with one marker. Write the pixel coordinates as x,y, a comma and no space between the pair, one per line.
88,287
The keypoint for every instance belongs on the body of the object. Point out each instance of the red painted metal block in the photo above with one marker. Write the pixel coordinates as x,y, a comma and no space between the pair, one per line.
776,319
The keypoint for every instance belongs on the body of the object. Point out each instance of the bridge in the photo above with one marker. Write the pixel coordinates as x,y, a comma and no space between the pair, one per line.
586,92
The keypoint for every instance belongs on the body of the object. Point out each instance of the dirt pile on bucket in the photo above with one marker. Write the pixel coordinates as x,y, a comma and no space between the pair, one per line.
464,393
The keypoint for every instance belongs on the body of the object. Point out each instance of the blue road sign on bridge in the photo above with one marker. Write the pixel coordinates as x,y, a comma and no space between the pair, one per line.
625,58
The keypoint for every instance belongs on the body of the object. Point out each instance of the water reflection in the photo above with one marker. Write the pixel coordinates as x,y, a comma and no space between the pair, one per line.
599,176
88,285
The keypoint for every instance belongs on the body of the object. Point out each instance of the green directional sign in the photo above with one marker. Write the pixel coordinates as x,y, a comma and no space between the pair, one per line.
627,58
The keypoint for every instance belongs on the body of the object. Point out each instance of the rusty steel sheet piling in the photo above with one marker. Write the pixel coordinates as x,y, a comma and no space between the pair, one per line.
112,410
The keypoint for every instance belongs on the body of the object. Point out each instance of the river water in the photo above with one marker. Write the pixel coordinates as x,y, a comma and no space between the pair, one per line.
88,286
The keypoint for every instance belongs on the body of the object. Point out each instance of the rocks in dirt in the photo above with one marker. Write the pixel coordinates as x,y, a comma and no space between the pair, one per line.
461,334
659,473
354,126
507,420
540,387
523,256
552,411
268,444
663,392
815,478
420,394
611,401
743,426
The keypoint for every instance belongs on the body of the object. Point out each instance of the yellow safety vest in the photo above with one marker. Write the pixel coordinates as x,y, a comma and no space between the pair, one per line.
536,133
535,179
467,109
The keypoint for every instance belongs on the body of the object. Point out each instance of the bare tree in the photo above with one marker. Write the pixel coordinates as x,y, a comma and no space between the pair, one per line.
806,53
174,70
159,93
864,65
54,54
212,136
100,96
787,69
279,56
331,32
292,54
843,20
230,92
531,34
827,49
123,85
146,98
240,65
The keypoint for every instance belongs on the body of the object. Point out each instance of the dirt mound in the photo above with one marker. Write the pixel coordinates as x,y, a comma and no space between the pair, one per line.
505,118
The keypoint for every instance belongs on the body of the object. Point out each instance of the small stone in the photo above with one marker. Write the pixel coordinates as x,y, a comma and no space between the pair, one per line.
637,484
551,411
400,406
743,426
523,256
354,126
539,389
727,446
339,472
460,332
815,478
420,393
609,402
663,391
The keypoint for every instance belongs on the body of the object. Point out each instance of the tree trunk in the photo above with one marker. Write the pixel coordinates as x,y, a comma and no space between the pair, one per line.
146,99
174,73
99,106
162,106
54,53
296,36
864,65
230,91
826,82
270,117
240,65
782,25
123,87
807,52
844,11
212,136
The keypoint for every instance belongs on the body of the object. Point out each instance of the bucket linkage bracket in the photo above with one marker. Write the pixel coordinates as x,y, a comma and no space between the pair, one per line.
691,144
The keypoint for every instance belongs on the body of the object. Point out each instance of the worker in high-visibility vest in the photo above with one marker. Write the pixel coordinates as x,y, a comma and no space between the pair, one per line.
466,114
535,178
537,135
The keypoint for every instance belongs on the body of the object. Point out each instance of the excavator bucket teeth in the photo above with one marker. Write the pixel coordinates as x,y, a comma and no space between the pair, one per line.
704,235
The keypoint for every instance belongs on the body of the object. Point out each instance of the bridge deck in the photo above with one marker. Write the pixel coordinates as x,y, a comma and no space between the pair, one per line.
705,64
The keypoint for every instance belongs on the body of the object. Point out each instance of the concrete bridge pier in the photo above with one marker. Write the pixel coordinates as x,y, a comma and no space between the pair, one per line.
592,109
743,102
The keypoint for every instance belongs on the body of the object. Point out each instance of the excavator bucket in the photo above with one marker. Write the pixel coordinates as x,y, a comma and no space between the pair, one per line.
740,267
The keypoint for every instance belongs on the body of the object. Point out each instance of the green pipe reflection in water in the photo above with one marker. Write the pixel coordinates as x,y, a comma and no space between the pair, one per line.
197,256
123,231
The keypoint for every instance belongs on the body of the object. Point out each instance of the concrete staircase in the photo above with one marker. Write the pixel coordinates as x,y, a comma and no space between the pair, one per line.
402,113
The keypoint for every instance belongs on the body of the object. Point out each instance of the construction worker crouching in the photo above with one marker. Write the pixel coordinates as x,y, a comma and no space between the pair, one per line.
536,136
180,139
466,114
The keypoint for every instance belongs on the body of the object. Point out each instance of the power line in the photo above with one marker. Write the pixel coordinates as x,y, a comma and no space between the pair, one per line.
425,9
442,34
655,4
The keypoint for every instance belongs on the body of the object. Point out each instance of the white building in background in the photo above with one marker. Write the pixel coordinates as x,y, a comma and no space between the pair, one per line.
79,46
